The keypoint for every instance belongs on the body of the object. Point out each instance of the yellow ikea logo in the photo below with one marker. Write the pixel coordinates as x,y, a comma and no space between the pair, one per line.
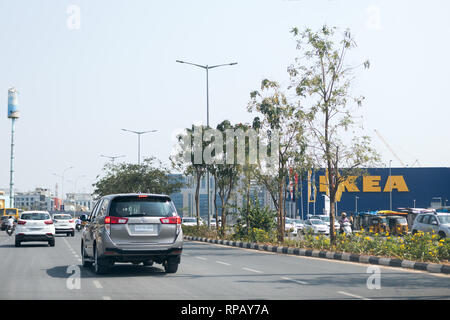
369,184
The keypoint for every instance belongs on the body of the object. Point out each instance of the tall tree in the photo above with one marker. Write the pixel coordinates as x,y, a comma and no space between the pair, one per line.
322,78
282,119
188,159
226,173
148,177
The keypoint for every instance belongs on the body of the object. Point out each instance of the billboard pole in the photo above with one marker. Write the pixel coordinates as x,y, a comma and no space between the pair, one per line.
13,114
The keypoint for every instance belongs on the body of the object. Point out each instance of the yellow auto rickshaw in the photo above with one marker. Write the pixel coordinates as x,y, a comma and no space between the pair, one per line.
397,225
377,224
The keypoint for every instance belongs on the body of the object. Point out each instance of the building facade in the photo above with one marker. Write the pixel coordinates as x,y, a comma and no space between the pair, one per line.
39,199
378,189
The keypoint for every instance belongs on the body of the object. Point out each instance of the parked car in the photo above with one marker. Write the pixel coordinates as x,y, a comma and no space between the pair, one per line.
289,226
437,222
64,223
190,221
326,219
136,228
299,224
316,226
35,226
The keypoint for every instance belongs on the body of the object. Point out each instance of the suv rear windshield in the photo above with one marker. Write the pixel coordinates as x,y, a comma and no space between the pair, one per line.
62,217
35,216
134,206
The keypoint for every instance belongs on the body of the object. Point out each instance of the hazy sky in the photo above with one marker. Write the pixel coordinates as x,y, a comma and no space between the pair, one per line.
86,69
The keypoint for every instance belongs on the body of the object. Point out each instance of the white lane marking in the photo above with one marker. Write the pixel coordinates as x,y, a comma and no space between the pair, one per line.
201,258
252,270
97,284
107,298
353,295
224,263
297,281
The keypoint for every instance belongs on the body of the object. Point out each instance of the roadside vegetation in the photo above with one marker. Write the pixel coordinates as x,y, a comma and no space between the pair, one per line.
421,247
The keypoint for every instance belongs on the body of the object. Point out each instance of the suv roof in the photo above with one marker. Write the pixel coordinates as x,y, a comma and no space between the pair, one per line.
135,195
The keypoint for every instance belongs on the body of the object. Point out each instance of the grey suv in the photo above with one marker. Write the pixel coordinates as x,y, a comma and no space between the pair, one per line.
137,228
439,223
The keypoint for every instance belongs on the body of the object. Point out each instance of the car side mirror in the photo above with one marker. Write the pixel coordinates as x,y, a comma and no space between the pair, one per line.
434,223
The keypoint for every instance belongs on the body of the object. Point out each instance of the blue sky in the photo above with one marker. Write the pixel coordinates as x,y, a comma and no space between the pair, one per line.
79,87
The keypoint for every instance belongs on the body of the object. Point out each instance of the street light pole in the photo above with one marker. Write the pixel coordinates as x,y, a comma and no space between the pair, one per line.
139,133
62,185
112,158
356,204
390,186
206,67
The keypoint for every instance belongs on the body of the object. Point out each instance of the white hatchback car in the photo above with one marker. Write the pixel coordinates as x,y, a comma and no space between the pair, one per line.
35,226
289,226
190,221
64,223
316,226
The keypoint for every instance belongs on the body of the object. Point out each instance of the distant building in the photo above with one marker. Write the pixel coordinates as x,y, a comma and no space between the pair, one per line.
39,199
379,189
79,202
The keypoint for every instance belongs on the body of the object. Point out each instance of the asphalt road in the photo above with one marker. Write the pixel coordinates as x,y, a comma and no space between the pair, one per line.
207,272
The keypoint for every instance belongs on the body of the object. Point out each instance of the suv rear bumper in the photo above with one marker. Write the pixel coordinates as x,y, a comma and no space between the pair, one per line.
34,237
126,252
64,230
124,255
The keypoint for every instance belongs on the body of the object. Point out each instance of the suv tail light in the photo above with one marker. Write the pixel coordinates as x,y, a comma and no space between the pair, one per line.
171,220
109,220
71,221
21,222
48,222
115,220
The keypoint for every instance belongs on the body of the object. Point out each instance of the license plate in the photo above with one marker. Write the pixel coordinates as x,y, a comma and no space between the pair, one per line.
144,228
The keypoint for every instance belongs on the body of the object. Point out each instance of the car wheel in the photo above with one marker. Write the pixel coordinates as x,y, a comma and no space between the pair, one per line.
17,243
73,234
441,235
99,266
414,232
52,243
84,262
171,265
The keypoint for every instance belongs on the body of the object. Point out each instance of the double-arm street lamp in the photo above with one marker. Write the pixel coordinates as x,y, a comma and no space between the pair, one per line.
206,67
112,158
139,133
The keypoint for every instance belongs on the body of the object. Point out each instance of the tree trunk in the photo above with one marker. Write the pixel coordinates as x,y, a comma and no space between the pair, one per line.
197,200
280,213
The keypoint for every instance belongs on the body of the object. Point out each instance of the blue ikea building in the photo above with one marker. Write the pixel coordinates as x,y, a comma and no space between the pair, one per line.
376,190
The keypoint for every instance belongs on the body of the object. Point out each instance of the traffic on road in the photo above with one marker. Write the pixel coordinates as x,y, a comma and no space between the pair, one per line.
132,248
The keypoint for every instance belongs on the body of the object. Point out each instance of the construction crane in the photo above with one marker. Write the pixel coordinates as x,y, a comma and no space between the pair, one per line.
390,149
